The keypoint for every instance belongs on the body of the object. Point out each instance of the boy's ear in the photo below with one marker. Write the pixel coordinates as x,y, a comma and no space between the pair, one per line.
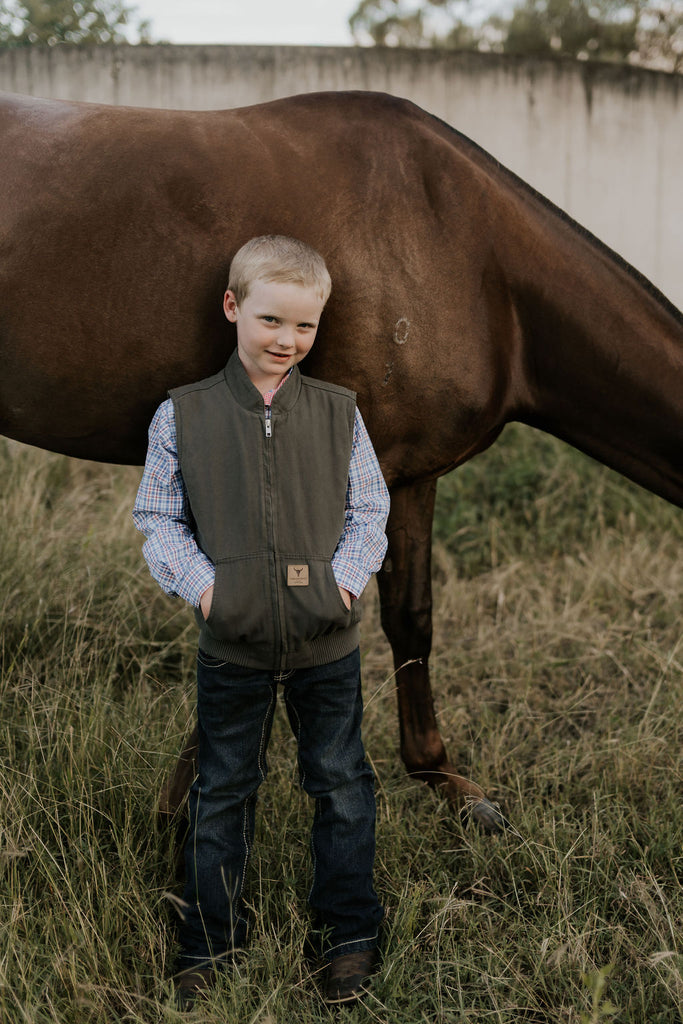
230,306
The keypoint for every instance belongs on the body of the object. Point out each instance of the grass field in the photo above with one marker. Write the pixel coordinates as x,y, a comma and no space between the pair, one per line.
557,669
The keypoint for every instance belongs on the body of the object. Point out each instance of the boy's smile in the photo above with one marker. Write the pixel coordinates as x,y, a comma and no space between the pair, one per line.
276,327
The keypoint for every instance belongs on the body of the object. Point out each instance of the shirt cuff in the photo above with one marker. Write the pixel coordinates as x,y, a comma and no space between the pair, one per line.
350,577
195,582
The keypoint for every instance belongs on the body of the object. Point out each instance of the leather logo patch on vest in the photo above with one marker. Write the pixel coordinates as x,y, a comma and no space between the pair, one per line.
297,575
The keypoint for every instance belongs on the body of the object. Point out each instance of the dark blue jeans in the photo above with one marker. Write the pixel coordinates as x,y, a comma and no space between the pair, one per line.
235,708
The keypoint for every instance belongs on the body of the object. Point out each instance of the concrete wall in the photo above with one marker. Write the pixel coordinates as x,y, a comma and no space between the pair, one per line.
603,142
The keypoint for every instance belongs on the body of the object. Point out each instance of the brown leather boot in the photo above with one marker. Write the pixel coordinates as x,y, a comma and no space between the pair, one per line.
193,984
347,977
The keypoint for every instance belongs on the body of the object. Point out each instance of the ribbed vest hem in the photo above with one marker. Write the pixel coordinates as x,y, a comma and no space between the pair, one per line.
321,651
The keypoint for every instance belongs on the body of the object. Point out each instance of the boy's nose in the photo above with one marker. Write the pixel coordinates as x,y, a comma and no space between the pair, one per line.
285,339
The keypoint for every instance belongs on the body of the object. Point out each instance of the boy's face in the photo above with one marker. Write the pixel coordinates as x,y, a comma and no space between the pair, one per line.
276,327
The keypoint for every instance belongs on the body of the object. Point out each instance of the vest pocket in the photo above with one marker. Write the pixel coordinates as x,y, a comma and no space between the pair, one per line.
242,609
314,609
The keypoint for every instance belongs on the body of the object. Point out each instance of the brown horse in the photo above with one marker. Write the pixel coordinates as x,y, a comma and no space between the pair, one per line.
462,300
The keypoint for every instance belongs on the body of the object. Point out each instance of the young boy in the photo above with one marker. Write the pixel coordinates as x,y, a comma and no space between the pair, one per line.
264,507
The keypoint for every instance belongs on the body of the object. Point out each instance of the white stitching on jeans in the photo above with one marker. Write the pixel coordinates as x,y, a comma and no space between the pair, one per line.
352,942
268,717
302,771
252,796
302,777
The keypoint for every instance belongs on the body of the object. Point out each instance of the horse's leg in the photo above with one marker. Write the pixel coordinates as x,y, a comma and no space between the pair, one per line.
176,787
405,590
172,806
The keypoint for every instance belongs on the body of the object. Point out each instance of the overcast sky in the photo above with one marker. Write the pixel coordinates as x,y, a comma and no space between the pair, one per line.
292,22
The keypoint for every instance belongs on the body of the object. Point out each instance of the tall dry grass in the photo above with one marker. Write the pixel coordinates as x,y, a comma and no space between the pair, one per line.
557,670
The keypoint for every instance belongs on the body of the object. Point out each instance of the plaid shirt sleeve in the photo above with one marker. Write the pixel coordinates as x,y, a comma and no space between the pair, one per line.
161,512
363,543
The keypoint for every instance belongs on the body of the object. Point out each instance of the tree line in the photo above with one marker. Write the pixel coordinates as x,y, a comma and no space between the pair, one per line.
29,22
645,32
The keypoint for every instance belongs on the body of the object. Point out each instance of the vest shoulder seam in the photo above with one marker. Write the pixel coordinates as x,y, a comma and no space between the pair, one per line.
200,385
324,385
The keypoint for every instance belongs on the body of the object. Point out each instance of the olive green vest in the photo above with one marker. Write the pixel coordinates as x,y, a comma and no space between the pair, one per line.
268,498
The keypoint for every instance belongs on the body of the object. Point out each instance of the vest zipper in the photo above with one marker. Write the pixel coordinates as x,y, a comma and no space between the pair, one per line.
279,649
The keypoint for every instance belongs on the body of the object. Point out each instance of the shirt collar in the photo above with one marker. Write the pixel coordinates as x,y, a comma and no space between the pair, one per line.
249,397
269,395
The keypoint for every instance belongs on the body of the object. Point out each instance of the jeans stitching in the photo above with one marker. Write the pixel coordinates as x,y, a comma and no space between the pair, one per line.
210,661
247,849
291,708
351,942
302,776
282,677
249,802
267,718
199,909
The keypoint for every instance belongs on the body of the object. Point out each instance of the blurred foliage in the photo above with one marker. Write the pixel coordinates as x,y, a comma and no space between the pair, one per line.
25,22
533,496
647,32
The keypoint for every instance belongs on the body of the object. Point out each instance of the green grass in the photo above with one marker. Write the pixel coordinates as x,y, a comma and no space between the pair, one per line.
557,673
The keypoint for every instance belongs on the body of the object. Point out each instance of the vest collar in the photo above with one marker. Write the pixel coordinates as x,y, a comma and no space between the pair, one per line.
248,395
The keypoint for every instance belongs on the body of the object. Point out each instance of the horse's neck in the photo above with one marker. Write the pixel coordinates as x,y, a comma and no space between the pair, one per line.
601,356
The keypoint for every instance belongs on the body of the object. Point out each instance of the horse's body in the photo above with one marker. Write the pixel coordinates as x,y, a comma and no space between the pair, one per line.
461,300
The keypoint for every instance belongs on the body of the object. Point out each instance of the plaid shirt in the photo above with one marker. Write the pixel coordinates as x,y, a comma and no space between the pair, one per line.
182,569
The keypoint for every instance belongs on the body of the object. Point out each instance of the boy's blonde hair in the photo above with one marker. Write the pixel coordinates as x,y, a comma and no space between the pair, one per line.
280,259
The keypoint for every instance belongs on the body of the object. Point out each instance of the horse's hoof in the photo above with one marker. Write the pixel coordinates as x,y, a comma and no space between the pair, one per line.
488,816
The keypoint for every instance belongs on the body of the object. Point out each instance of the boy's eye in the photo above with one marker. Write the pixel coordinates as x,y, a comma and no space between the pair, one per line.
270,319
